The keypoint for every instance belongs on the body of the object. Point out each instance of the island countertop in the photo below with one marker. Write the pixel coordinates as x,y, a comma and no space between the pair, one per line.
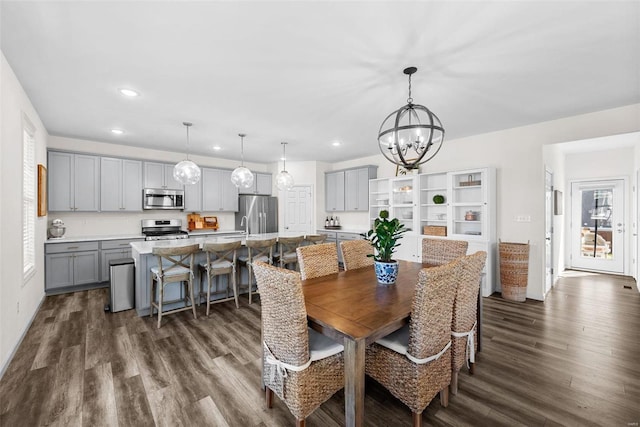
146,247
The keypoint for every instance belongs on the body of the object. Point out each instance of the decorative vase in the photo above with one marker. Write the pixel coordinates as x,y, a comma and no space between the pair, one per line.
386,272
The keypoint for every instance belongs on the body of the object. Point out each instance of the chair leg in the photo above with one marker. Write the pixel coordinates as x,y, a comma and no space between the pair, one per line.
472,368
444,397
300,423
193,304
454,382
268,394
417,419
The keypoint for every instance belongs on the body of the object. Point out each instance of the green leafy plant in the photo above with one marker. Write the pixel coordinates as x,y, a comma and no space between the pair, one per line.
384,236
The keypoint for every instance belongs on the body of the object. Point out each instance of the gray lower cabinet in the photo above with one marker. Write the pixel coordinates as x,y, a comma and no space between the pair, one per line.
71,264
337,237
111,250
73,182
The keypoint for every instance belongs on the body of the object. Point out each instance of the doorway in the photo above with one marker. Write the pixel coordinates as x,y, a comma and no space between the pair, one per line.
548,234
298,209
597,231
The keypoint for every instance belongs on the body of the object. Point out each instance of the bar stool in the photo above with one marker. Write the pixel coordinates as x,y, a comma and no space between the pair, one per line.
221,260
173,267
257,250
315,239
287,249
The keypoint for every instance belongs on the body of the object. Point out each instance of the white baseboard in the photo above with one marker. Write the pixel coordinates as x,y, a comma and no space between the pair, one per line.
24,333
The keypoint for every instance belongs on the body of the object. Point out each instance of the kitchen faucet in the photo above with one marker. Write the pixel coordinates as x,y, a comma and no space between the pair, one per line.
245,221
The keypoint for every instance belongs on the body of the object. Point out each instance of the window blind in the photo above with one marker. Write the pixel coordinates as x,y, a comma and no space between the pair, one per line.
28,202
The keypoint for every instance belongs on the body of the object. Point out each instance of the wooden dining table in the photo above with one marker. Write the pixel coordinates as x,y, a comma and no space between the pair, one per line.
352,308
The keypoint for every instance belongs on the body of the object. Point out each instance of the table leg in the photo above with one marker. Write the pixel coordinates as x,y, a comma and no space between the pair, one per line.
479,319
354,354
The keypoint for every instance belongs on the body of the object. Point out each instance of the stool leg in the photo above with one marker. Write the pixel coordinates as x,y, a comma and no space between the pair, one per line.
250,279
160,299
151,297
208,292
193,305
235,286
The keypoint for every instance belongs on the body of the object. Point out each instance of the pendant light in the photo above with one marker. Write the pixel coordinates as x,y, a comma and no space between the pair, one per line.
284,180
186,172
241,176
411,135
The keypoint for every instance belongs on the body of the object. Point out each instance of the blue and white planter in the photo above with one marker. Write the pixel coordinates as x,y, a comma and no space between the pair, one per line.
386,272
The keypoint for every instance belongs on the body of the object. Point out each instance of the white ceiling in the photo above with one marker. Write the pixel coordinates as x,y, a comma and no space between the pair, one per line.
311,73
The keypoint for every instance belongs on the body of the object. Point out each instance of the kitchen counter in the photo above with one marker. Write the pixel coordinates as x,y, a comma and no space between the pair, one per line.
342,230
76,239
203,232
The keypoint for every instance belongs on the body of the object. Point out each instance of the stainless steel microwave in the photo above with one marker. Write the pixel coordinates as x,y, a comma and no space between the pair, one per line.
157,198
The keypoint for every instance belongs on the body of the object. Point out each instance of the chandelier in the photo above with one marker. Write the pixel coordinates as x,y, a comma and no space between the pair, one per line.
284,180
242,176
412,134
186,172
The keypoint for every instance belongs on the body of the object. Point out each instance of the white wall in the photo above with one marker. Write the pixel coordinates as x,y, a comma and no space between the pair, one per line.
19,300
517,155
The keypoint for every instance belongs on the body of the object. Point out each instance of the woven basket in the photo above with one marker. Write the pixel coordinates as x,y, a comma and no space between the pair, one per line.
514,270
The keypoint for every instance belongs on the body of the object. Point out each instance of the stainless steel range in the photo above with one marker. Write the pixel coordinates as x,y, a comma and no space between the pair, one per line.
163,229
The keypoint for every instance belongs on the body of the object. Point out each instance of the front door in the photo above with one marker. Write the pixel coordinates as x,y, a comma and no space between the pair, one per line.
597,231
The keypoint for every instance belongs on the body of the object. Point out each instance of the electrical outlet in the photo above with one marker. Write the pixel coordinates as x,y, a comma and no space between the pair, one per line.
18,307
523,218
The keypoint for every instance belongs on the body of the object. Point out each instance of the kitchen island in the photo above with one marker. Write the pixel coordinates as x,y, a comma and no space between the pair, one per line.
145,260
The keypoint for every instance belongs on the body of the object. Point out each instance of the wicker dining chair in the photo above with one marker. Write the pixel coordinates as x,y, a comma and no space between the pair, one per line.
257,250
442,251
317,260
175,265
414,363
354,254
464,332
221,260
302,367
287,250
315,239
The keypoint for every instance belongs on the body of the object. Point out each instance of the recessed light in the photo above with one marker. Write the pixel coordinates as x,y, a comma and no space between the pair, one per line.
217,148
336,143
117,131
129,92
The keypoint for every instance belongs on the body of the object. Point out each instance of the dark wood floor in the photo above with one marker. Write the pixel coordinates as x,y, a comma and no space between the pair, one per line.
572,360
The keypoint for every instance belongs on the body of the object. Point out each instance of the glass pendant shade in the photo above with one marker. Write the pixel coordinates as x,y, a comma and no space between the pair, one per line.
284,180
186,172
412,134
242,177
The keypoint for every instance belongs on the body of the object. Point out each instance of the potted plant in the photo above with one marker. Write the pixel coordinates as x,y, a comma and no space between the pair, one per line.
384,238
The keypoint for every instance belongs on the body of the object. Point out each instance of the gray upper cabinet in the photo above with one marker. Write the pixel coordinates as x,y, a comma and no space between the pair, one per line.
193,195
262,185
334,191
218,192
356,188
120,185
160,175
74,182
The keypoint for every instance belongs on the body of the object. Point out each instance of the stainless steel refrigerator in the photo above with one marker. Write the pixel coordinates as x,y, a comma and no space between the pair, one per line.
261,212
